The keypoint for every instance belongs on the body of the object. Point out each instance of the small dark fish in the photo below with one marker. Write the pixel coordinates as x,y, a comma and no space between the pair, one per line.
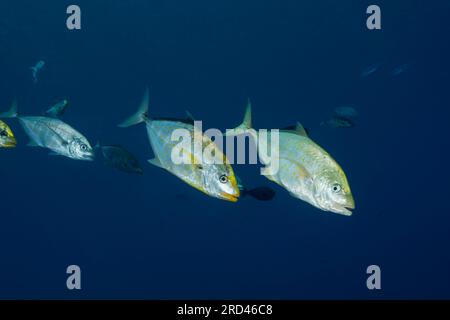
121,159
346,112
338,122
260,193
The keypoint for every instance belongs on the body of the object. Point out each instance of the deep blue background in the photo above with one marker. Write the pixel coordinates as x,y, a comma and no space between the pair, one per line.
153,236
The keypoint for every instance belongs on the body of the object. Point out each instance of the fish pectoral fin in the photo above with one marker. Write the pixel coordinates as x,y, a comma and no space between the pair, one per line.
156,162
270,177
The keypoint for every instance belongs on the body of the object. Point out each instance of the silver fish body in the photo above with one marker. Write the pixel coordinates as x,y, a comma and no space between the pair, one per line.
305,169
204,177
214,179
309,173
57,136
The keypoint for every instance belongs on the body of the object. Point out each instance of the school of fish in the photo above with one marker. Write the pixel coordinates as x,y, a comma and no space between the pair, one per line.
306,170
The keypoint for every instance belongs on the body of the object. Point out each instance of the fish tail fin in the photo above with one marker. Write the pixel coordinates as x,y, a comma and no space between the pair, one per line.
141,114
12,112
246,125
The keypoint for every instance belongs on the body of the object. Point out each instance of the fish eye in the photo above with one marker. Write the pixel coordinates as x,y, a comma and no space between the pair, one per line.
83,147
223,179
3,133
336,187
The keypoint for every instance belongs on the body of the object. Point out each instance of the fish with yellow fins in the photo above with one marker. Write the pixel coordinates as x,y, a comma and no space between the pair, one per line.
305,169
7,139
214,179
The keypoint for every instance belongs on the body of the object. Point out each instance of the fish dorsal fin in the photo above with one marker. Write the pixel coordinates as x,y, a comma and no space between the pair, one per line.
189,116
156,162
297,129
301,130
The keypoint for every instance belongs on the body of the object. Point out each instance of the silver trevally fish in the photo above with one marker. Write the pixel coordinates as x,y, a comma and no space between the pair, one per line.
216,180
58,109
306,170
53,134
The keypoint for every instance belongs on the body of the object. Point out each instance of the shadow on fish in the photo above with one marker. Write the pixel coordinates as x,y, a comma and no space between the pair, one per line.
121,159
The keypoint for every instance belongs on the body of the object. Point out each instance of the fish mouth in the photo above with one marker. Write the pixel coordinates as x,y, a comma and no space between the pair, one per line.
88,157
345,209
229,197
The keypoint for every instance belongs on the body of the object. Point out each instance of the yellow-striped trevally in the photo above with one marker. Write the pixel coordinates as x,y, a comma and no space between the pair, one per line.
214,179
53,134
306,170
7,139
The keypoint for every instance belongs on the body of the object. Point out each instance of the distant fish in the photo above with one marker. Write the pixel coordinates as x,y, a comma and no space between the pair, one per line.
57,110
121,159
259,193
7,139
346,111
371,69
53,134
338,122
400,69
39,65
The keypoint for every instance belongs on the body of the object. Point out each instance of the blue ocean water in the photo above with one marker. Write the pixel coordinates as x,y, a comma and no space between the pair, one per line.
153,236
